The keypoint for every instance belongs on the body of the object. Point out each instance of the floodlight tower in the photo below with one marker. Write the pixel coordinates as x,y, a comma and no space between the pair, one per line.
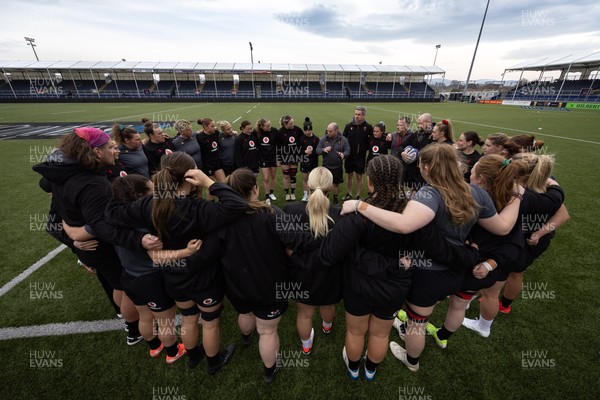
475,52
30,43
252,69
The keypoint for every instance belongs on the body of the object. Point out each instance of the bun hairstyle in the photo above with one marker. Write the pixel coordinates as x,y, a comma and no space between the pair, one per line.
148,126
473,137
511,148
205,122
527,143
445,128
320,181
381,126
121,133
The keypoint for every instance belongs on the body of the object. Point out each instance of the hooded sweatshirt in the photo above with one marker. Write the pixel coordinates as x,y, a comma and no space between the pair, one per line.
81,197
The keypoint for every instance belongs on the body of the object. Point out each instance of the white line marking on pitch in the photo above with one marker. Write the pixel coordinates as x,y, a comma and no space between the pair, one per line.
237,119
23,275
248,111
66,328
69,112
503,128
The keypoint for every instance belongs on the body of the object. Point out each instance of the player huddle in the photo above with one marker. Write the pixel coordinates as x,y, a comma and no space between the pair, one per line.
440,222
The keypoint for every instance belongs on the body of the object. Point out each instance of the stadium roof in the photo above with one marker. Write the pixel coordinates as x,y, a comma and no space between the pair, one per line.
573,61
217,67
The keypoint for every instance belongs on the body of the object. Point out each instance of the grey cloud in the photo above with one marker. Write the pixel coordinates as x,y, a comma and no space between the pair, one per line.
450,21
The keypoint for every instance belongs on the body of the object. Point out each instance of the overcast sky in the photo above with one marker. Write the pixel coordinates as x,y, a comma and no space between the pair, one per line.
394,32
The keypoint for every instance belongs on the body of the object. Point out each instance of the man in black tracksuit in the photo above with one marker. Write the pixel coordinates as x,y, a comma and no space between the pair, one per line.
357,132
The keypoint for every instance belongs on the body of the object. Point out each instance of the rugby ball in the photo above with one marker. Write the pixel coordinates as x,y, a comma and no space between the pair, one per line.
412,154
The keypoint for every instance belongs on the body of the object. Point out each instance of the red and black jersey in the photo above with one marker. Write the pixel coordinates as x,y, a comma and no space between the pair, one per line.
155,151
309,142
267,145
246,151
377,147
289,137
209,149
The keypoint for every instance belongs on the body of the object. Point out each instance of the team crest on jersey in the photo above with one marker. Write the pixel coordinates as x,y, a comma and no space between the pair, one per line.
168,151
265,140
375,149
208,301
122,174
214,145
251,143
292,139
310,148
152,304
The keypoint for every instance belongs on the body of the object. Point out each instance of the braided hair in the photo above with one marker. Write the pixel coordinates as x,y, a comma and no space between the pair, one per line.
385,174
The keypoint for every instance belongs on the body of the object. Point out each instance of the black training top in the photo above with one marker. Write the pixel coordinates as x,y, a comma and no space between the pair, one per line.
154,152
253,259
313,282
81,197
246,151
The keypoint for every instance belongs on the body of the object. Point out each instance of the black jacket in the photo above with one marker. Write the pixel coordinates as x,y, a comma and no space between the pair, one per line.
193,219
358,138
321,284
81,196
253,259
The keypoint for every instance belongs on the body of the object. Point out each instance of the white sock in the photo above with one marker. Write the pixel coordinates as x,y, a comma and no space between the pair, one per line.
327,325
308,342
484,324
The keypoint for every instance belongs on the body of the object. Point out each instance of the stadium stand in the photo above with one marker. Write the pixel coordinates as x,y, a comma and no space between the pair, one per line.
105,80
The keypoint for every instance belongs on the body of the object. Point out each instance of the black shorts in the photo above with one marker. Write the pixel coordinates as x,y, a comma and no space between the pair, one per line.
209,297
191,286
110,272
262,312
148,290
472,284
268,163
357,306
307,168
355,164
338,174
228,169
210,166
430,286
